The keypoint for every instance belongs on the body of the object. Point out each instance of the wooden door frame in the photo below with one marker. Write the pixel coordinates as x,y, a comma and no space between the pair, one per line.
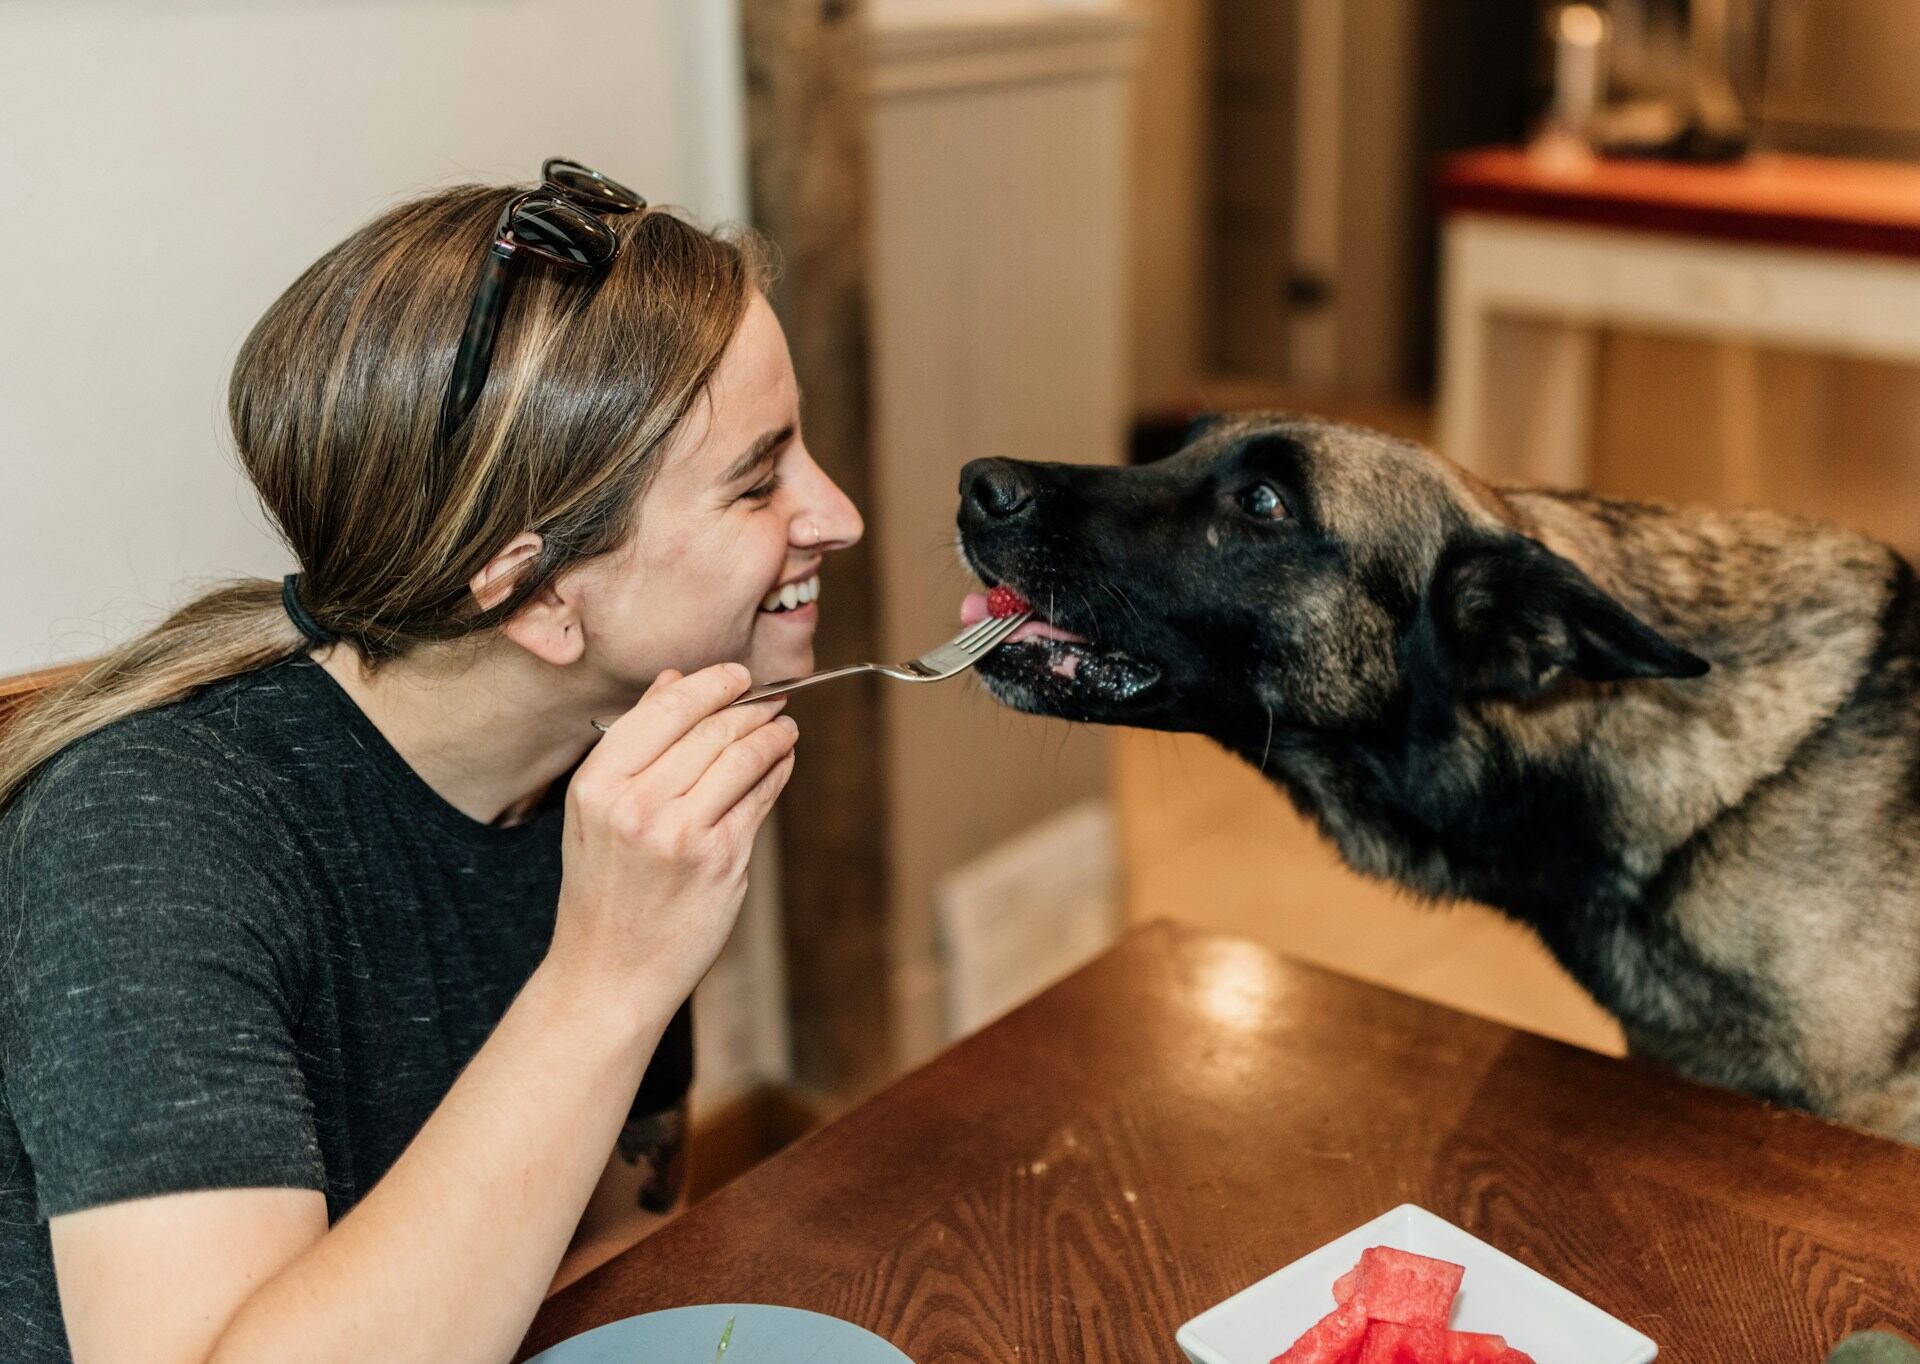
806,139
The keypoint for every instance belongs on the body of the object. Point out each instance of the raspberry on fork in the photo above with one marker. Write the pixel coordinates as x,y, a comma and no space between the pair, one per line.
1004,601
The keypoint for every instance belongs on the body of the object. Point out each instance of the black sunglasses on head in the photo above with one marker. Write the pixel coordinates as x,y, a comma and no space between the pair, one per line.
557,223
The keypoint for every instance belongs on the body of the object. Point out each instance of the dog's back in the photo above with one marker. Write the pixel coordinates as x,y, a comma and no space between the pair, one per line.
1773,803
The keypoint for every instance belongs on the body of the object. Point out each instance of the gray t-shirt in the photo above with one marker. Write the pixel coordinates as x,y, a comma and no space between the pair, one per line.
244,945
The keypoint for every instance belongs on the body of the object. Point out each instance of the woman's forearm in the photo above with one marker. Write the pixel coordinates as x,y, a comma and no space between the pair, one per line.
450,1253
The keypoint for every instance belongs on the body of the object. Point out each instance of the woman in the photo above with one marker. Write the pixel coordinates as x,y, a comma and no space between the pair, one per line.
346,961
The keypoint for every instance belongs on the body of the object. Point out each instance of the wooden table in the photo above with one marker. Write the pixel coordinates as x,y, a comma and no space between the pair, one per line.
1191,1112
1809,253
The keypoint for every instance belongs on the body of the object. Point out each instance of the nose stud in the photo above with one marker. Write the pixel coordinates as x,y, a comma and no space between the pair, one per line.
806,534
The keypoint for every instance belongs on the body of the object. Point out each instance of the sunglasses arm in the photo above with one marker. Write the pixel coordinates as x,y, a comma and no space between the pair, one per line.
475,356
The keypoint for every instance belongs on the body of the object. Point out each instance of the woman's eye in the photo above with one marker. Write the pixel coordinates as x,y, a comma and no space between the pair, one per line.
1263,500
762,492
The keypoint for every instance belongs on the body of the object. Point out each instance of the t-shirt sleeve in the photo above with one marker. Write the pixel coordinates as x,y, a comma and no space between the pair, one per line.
150,981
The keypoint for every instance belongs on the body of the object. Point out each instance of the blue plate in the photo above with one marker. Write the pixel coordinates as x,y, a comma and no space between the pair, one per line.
690,1335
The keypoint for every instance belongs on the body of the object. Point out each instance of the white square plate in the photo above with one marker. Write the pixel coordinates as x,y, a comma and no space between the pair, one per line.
1499,1295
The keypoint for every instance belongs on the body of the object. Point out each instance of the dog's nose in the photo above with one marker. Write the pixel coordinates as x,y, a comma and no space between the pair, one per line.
996,488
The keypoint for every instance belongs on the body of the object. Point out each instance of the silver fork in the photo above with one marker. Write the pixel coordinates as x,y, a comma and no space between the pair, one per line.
935,665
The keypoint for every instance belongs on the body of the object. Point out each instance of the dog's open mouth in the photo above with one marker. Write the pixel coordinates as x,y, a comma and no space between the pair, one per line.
1055,667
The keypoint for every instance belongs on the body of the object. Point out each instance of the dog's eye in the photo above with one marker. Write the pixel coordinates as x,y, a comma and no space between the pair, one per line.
1263,500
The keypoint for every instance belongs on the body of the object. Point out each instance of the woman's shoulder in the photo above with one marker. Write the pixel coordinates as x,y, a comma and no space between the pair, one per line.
157,800
160,826
193,754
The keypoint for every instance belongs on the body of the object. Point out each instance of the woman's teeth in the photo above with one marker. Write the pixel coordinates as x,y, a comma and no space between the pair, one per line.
793,595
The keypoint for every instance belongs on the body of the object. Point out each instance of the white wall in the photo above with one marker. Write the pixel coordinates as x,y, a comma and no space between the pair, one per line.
989,337
167,169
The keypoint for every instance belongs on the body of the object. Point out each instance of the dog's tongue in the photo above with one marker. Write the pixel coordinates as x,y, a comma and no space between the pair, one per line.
974,610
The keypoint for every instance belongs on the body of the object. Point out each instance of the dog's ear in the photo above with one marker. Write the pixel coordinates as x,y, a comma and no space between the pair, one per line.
1509,617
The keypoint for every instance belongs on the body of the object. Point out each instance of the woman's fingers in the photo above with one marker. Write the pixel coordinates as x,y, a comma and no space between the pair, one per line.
743,821
671,708
675,772
738,770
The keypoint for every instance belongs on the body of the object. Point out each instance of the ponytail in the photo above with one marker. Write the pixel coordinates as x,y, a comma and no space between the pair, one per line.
234,629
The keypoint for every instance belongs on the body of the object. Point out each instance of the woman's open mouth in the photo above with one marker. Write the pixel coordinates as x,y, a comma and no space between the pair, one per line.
791,597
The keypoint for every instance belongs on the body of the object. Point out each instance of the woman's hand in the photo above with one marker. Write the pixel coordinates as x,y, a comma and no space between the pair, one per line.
660,822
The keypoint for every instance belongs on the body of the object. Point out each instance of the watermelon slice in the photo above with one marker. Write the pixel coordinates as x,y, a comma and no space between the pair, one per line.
1393,1309
1407,1289
1334,1339
1346,1285
1390,1342
1471,1347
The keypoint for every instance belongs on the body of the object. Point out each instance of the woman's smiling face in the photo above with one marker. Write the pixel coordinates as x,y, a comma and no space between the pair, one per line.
736,518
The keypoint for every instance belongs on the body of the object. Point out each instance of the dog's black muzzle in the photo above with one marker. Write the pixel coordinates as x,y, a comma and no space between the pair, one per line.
1027,526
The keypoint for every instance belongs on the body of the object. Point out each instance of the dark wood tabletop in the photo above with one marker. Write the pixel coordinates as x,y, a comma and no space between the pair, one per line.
1189,1113
1826,202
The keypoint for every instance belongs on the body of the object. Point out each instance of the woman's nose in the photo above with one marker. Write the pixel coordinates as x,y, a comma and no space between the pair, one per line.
826,518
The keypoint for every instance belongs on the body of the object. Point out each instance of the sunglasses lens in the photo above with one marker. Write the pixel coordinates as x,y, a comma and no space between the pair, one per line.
563,233
591,187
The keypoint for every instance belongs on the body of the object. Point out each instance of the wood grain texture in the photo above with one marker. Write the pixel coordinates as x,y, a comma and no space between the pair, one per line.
806,129
1816,201
1191,1112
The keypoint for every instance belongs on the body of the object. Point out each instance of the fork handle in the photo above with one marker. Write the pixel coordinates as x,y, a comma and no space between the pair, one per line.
796,683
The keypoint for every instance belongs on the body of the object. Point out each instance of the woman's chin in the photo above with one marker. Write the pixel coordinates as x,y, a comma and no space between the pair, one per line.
778,667
782,644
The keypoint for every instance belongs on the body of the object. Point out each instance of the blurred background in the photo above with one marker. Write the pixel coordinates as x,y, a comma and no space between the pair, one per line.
1661,248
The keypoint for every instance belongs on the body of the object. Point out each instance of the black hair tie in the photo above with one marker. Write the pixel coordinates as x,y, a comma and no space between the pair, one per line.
304,623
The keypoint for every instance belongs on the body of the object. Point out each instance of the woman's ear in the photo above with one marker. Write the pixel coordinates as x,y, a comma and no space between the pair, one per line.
547,624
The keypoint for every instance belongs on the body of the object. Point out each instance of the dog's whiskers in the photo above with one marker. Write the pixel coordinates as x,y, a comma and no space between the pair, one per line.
1093,616
1121,597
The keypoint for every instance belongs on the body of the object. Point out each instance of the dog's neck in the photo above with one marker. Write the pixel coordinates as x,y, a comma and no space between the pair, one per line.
1790,615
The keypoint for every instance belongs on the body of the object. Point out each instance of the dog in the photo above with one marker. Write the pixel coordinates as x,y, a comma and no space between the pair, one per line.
1681,745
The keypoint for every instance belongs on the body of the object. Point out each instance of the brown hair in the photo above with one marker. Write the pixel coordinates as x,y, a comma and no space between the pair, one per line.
335,401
